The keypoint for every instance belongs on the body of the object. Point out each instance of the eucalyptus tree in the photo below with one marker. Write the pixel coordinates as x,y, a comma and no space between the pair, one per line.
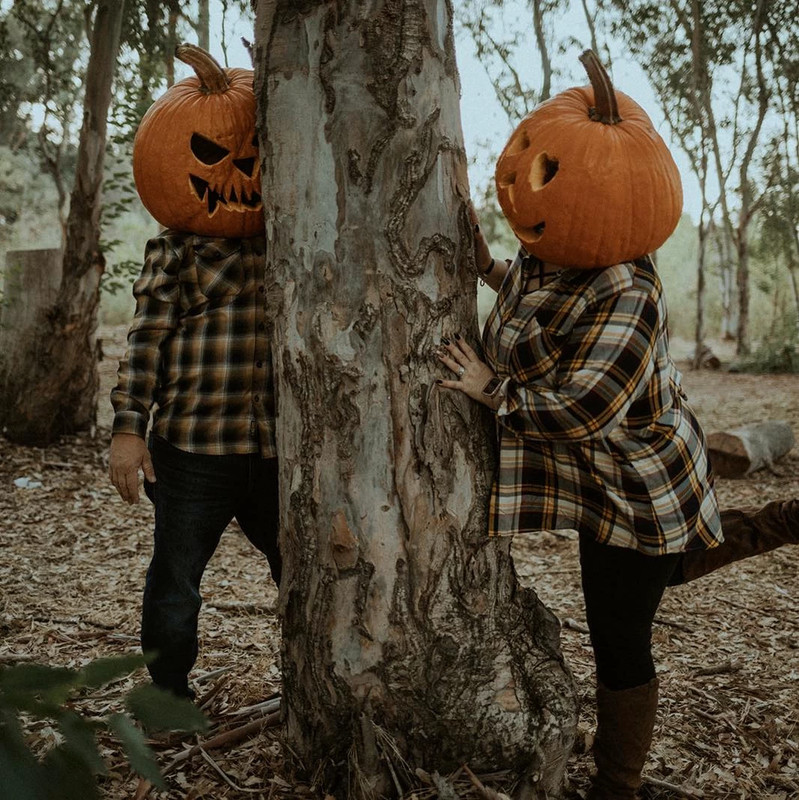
515,42
408,646
48,370
48,374
42,70
709,66
779,217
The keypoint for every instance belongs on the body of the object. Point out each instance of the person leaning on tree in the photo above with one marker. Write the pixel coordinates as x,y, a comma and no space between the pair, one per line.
595,431
198,350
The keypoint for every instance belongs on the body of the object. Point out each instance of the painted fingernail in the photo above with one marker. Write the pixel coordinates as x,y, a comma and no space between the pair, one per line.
445,340
439,381
458,336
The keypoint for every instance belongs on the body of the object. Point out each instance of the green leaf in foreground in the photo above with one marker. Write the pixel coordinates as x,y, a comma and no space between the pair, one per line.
157,709
139,754
80,739
67,777
22,682
21,775
104,670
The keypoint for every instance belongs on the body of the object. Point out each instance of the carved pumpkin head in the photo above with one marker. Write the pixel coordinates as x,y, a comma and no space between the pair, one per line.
195,155
585,180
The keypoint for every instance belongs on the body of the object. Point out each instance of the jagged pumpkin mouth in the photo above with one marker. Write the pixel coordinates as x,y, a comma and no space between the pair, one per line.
215,199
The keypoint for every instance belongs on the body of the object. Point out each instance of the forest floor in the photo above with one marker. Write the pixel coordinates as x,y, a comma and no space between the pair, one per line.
72,564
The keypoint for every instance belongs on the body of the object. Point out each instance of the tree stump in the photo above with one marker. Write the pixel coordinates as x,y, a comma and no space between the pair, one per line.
30,288
31,282
742,451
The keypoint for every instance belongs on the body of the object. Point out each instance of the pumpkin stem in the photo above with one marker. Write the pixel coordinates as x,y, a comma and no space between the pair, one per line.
212,77
607,108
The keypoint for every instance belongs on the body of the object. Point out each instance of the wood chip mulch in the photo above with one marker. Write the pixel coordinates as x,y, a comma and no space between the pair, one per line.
72,564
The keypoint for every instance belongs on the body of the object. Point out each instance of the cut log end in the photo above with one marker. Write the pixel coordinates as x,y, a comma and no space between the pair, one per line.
742,451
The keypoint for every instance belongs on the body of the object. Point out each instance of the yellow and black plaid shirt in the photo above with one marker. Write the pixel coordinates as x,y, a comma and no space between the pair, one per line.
596,434
198,348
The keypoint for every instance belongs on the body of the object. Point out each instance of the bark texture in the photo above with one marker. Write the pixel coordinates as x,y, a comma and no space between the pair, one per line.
407,639
58,372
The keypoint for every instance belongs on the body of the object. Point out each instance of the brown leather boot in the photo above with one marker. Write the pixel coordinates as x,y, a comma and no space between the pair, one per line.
747,532
625,721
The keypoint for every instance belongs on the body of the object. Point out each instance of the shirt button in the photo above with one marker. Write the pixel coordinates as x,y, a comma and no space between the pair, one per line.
261,289
259,364
257,398
261,326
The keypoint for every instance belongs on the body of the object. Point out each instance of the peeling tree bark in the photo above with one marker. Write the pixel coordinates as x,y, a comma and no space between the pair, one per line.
401,621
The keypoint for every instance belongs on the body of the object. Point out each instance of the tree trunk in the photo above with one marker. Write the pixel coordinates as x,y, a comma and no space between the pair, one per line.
405,632
699,330
793,267
203,25
543,52
742,283
63,377
740,452
32,278
729,303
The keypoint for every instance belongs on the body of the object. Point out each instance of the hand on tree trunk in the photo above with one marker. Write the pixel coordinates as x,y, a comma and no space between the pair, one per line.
473,374
129,454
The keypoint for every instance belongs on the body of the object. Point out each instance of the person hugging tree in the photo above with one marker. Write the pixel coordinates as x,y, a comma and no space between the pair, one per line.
595,431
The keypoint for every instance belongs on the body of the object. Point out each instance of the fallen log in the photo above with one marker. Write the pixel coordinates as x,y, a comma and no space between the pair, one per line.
742,451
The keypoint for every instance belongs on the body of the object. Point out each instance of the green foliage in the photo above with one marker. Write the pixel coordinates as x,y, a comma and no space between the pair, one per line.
778,352
69,769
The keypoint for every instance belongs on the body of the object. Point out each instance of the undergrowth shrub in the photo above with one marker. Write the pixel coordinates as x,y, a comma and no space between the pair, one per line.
778,351
69,769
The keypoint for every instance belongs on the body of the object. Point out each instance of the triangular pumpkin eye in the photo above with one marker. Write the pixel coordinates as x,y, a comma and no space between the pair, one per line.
207,151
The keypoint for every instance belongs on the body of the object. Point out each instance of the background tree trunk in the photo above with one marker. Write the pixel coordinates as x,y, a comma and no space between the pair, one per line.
32,278
699,329
403,625
63,375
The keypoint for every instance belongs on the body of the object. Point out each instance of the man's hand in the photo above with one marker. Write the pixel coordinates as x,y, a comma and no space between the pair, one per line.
129,454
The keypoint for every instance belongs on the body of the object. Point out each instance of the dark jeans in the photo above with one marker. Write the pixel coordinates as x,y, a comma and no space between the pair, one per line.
195,497
623,589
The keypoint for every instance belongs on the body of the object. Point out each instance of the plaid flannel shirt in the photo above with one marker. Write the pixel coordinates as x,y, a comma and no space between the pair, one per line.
595,431
198,348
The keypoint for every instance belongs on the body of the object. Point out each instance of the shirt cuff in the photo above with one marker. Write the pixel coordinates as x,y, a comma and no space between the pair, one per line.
129,422
503,410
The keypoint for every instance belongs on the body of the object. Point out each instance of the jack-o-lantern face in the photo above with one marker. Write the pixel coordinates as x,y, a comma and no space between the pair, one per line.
195,155
585,181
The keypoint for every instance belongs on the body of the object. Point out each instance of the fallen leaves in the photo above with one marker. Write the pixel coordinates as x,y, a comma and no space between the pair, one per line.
72,563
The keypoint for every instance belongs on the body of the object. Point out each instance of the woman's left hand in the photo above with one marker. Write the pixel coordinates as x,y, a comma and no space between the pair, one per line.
473,374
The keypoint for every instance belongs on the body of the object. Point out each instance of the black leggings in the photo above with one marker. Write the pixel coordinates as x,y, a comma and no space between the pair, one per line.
622,590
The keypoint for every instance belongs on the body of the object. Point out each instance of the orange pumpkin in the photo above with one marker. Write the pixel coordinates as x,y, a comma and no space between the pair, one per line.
195,155
586,181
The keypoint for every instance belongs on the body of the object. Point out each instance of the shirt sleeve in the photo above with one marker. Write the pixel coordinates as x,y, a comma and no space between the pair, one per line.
157,296
605,364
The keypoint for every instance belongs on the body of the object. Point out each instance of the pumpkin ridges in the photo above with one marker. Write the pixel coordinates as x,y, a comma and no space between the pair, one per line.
163,161
212,77
616,194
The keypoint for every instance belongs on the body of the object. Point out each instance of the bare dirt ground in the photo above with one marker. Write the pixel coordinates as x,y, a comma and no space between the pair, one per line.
72,564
